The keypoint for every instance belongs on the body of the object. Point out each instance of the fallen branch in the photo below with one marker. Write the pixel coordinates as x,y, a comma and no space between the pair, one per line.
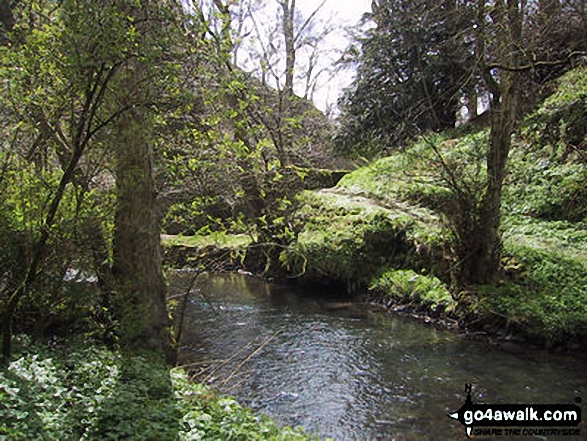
255,352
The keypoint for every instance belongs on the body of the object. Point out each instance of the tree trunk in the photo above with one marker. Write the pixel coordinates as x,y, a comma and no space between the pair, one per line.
6,21
140,297
485,254
286,95
140,290
483,248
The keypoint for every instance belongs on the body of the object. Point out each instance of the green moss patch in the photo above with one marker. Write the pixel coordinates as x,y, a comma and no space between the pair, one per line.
215,239
214,251
548,161
407,287
544,290
348,238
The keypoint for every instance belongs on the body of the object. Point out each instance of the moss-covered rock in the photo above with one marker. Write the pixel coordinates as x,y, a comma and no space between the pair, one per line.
420,291
348,238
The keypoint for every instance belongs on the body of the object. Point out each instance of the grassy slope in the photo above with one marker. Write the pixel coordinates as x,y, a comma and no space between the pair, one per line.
544,292
363,231
381,227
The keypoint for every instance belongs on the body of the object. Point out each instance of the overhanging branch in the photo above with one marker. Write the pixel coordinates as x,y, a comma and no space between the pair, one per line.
534,65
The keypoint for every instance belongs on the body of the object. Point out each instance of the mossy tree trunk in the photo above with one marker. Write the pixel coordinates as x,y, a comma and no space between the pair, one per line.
140,288
140,298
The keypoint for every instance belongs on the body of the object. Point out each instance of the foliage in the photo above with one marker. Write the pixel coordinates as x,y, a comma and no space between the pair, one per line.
75,392
209,417
425,61
418,290
544,290
65,84
548,156
349,235
57,301
233,140
48,395
411,69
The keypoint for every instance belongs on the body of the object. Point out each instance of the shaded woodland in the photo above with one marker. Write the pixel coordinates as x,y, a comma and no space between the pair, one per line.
452,179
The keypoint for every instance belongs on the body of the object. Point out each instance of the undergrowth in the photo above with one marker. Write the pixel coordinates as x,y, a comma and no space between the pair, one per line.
73,392
419,291
543,293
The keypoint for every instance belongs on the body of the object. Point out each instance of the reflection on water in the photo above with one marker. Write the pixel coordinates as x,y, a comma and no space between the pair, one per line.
351,372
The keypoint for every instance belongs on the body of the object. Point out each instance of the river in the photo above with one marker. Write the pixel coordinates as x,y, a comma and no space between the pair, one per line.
351,371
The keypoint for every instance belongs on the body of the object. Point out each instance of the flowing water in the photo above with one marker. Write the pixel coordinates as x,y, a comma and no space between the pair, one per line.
353,372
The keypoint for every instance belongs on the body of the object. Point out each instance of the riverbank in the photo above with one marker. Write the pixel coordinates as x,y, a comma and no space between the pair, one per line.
385,228
383,231
82,390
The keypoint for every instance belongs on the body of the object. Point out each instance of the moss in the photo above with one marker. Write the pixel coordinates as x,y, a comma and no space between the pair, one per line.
548,165
543,295
348,238
219,240
418,290
543,292
214,251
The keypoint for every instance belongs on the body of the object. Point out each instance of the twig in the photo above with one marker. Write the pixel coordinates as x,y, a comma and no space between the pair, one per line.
255,352
184,302
224,363
452,179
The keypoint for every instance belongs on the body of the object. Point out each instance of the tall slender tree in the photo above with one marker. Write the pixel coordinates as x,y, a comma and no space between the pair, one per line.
481,246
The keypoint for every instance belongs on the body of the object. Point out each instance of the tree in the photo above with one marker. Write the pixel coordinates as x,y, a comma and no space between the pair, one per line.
88,79
58,88
511,59
481,246
412,68
423,59
283,53
142,83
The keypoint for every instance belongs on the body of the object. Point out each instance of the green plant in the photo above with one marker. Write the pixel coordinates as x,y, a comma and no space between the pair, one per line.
417,290
72,391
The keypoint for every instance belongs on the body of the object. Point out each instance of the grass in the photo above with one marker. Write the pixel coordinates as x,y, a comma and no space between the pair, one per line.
215,239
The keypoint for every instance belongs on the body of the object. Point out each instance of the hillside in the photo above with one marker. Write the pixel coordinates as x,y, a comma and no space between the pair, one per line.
384,227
